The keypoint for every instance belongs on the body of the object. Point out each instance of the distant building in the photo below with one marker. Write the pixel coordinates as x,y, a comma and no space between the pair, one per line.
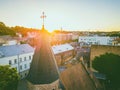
96,40
8,40
17,56
75,36
62,37
116,42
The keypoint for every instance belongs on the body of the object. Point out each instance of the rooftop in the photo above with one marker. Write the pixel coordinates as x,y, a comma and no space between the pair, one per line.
61,48
13,50
76,78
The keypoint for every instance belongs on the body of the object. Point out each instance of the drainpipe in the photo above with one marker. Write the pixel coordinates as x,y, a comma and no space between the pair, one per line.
18,65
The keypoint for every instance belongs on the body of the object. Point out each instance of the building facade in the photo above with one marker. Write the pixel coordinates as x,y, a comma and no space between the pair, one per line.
7,40
63,53
17,56
116,42
62,36
96,40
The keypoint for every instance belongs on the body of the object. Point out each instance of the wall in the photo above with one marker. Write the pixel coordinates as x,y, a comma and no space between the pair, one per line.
24,63
5,61
97,40
64,57
52,86
97,50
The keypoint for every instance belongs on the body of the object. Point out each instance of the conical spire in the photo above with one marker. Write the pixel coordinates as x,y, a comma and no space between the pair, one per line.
43,68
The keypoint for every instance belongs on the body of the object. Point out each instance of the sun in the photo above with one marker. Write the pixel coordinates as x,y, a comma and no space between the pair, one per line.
50,31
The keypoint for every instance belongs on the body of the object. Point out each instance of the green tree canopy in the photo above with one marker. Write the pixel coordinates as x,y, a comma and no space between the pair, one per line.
2,24
8,78
24,30
4,30
108,64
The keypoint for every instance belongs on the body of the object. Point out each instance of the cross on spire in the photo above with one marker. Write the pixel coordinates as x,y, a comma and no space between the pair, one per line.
43,17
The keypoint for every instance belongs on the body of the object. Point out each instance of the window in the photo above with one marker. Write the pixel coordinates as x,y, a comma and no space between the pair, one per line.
24,58
20,67
15,61
20,59
30,57
25,65
10,62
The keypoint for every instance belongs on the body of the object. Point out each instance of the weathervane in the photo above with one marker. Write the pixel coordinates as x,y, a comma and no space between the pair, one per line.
43,17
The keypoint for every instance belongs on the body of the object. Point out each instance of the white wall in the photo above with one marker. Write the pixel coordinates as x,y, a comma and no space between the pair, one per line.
23,62
5,61
99,40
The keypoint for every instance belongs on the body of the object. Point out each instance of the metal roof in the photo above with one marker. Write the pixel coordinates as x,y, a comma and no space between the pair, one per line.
13,50
61,48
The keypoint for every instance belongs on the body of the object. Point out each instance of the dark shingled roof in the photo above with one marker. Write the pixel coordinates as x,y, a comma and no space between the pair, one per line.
43,68
76,78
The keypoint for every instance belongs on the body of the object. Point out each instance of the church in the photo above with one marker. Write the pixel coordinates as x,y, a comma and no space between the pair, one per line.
43,74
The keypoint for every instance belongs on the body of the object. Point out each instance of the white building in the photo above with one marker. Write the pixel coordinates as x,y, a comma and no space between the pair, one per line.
97,40
7,40
18,56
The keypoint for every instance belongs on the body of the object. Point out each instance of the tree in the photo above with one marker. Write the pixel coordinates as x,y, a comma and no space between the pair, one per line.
109,64
2,24
8,78
4,30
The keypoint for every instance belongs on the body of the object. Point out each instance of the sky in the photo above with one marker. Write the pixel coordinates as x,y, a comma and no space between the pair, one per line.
65,14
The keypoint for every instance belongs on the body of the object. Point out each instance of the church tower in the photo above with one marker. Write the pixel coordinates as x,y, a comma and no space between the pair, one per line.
43,74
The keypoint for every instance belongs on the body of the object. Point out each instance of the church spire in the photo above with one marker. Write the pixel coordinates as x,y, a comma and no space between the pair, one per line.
43,17
43,68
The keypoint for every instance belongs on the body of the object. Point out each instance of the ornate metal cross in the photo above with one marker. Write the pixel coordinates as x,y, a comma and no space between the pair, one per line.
43,16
